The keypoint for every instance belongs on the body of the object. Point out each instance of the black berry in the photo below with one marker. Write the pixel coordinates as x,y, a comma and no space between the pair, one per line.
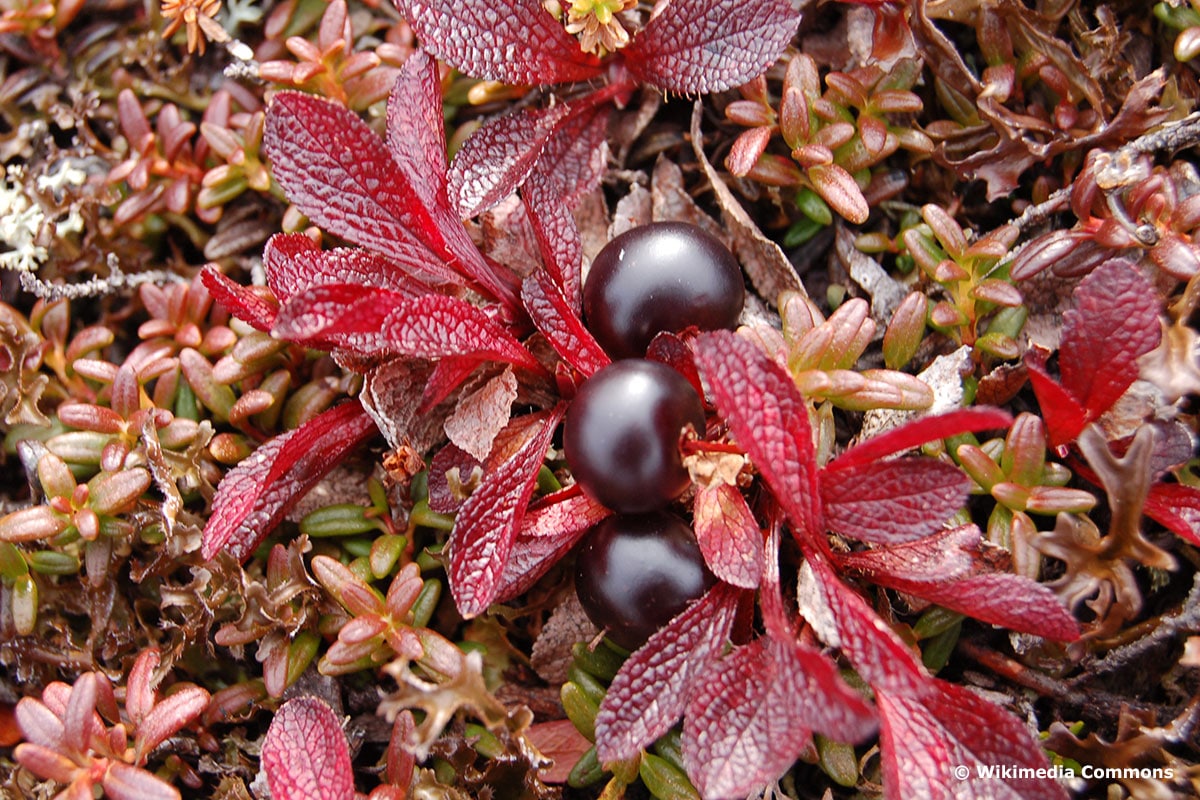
634,572
622,434
665,276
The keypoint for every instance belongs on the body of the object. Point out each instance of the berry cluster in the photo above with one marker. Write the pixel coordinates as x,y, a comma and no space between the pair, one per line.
640,567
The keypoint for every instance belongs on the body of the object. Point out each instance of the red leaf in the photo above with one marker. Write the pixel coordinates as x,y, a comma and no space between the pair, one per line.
450,458
769,419
560,741
293,263
651,690
448,375
497,158
746,722
416,128
920,431
547,533
843,619
305,755
947,555
561,325
516,42
488,521
892,501
259,491
337,315
1062,413
340,174
437,326
1177,507
557,235
1113,323
926,738
576,156
728,535
701,46
943,570
242,302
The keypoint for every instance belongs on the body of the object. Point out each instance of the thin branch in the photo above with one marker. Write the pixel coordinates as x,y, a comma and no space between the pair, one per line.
96,286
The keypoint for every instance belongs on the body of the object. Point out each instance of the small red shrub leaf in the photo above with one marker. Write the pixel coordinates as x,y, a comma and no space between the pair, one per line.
920,431
516,42
488,521
337,315
293,263
1063,414
305,755
769,420
1113,323
255,495
748,720
558,238
841,618
416,128
931,740
892,501
241,301
340,174
437,326
547,533
576,156
728,535
1177,507
498,157
561,325
651,690
701,46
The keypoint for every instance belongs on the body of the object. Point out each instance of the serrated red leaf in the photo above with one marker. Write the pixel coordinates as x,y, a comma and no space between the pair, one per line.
1177,507
702,46
728,535
548,532
339,173
416,128
447,375
240,301
769,420
337,315
892,501
920,431
305,755
947,555
294,263
843,619
259,491
1062,413
488,521
553,315
946,569
437,326
343,177
494,161
1113,323
746,722
450,458
559,242
926,737
651,690
1000,598
576,156
517,42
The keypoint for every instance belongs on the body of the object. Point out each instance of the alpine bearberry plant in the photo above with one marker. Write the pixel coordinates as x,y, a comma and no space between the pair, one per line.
688,399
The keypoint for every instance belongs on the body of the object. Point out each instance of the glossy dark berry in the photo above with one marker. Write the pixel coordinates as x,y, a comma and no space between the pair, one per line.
634,572
622,434
660,277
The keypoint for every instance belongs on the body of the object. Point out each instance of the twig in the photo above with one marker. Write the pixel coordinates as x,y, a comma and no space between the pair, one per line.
95,286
